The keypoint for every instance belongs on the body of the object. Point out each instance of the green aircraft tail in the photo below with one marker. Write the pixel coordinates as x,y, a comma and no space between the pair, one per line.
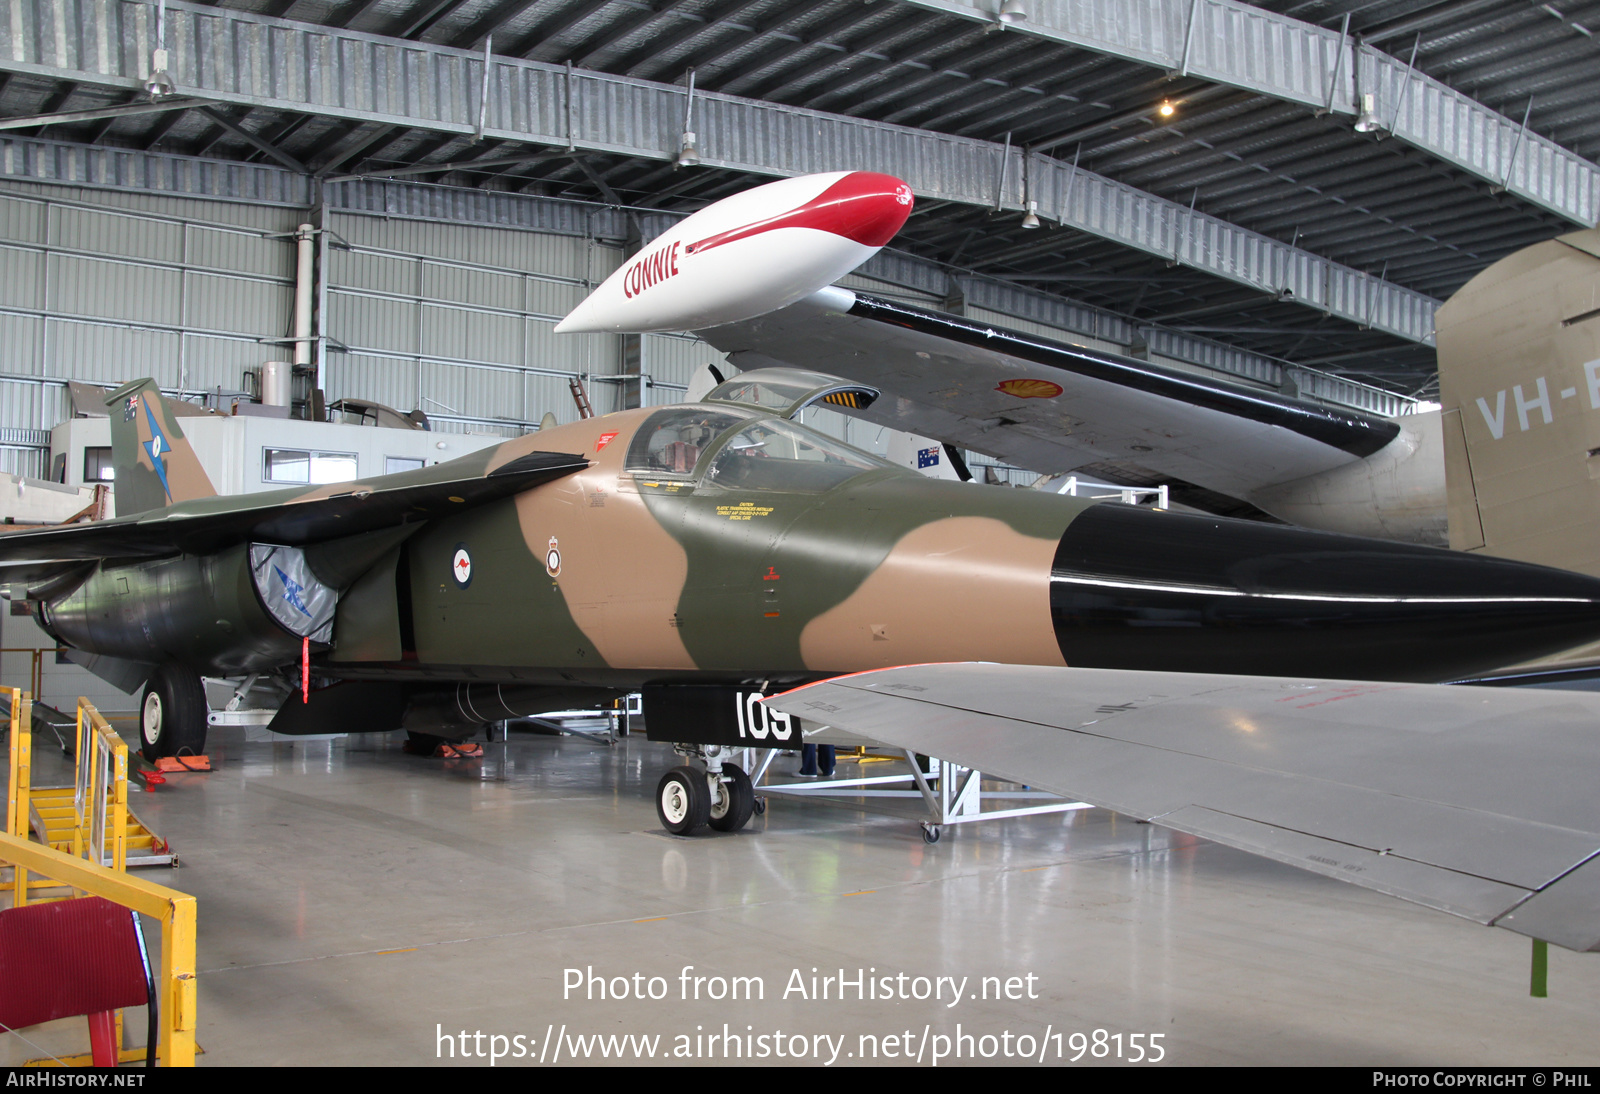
155,465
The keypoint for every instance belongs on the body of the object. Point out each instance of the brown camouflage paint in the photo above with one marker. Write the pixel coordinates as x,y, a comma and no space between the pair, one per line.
620,573
997,610
669,578
758,583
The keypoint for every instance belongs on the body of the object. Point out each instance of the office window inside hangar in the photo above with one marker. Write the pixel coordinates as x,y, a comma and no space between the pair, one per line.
97,465
298,467
395,464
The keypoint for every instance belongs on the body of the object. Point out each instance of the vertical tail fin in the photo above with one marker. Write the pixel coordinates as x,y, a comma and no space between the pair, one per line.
1519,377
155,466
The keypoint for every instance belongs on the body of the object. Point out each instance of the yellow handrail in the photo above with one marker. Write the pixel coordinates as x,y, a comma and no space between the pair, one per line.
19,784
101,788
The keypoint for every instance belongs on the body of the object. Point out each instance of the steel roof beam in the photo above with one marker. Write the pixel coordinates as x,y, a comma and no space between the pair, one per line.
489,22
707,56
72,117
250,61
1029,131
764,61
665,43
1306,212
1532,52
416,26
1085,84
1228,126
566,20
589,51
1236,43
354,14
1365,252
1429,17
909,89
254,141
911,54
798,75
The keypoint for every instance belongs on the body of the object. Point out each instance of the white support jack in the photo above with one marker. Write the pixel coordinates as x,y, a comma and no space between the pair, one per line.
598,726
953,794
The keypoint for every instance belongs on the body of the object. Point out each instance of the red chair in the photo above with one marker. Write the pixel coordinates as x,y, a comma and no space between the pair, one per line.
70,957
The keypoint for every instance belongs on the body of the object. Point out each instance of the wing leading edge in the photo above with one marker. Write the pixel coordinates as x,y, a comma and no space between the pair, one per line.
293,517
1474,801
1050,406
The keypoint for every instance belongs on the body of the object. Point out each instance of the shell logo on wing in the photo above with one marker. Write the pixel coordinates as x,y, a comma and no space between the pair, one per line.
1029,388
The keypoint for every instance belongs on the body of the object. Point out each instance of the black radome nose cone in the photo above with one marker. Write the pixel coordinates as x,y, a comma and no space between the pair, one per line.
1133,588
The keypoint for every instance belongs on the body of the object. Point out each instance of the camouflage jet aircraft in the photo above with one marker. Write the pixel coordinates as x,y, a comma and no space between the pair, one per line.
721,543
709,554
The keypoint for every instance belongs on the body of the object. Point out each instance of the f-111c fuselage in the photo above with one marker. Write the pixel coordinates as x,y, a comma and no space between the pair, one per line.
723,542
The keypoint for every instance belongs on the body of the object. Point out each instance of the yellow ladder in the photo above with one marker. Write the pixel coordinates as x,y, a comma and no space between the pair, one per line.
62,817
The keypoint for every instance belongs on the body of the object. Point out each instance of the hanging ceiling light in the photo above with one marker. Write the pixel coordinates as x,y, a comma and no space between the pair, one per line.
159,84
1012,12
1369,121
1166,109
1032,219
688,156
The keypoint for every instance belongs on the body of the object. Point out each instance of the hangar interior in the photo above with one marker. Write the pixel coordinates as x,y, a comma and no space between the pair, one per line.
1277,193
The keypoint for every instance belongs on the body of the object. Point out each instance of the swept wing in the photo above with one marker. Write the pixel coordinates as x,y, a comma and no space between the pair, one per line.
1051,406
1475,801
294,517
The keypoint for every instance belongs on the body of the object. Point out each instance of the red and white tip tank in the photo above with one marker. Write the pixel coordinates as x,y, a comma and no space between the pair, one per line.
748,254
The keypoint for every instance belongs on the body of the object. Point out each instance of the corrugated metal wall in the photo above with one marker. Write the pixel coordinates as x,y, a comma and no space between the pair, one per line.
669,360
457,320
107,287
454,318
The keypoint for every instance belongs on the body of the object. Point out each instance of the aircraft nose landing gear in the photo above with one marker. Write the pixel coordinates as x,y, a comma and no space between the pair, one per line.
683,801
735,799
720,794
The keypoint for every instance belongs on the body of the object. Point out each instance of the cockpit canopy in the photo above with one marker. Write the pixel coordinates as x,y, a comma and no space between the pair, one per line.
787,391
741,451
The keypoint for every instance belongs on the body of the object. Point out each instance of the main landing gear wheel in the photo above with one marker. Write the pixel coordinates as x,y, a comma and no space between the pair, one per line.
930,833
172,715
683,802
735,800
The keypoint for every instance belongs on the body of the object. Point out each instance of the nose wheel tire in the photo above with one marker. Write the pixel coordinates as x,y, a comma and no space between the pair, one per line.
172,714
735,800
683,802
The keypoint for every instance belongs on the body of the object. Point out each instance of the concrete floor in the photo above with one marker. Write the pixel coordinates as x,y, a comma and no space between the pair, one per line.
361,906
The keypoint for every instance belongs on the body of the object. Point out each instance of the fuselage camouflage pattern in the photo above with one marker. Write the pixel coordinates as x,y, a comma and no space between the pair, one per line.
723,542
